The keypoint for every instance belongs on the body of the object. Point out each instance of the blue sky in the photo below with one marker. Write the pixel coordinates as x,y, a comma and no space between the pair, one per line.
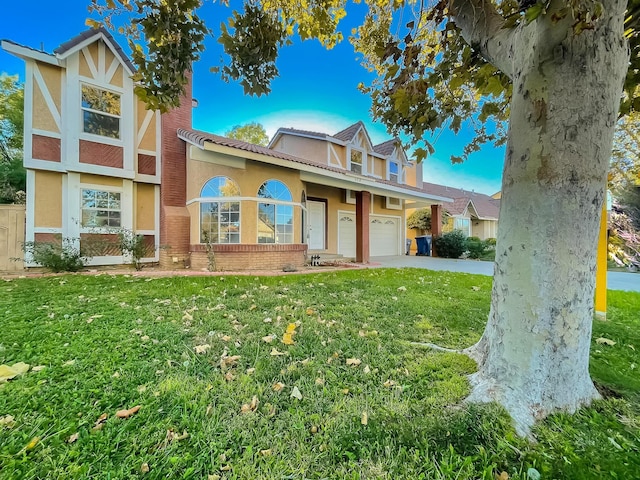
316,90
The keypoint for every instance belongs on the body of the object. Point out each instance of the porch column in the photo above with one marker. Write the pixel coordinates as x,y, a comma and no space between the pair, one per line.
363,200
436,226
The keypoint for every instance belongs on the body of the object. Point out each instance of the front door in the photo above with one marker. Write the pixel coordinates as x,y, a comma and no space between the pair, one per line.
316,231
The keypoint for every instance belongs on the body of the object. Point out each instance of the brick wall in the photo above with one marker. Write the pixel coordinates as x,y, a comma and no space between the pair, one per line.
249,257
174,217
45,148
146,164
101,154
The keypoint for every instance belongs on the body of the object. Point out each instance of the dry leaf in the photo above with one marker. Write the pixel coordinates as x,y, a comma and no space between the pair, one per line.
276,353
402,289
68,363
265,453
605,341
213,477
172,436
225,468
295,393
389,383
278,386
226,338
7,421
251,371
268,338
345,391
475,289
227,362
202,348
229,376
502,476
209,410
267,320
354,362
365,418
291,328
310,311
9,372
100,422
38,368
319,381
630,346
366,369
187,317
144,468
287,339
127,413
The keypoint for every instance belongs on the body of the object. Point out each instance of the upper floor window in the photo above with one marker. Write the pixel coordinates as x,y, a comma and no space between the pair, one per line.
219,219
100,112
394,170
356,161
100,208
275,220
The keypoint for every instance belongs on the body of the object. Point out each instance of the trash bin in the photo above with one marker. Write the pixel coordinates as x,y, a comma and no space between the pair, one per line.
408,246
424,245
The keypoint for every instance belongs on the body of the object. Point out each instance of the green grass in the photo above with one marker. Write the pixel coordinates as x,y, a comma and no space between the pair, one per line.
110,342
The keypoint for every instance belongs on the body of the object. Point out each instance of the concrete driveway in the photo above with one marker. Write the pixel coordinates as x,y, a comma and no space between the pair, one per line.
615,280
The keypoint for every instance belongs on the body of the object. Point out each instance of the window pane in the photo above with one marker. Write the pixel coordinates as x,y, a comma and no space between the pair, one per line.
355,168
274,189
104,125
101,100
220,187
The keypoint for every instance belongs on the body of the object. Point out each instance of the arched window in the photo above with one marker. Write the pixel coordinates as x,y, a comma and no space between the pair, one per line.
219,218
275,219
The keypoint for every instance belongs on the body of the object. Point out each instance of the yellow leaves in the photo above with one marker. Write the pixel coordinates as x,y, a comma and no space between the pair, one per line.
225,338
127,413
200,349
364,419
278,386
276,353
100,422
287,337
32,443
73,438
310,311
353,362
502,476
10,372
250,407
144,468
268,338
266,453
227,361
605,341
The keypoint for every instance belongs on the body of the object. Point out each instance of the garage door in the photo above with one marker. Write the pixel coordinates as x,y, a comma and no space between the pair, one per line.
383,235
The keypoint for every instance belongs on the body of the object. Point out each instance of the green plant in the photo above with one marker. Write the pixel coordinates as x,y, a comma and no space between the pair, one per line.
134,246
420,219
451,244
476,247
62,256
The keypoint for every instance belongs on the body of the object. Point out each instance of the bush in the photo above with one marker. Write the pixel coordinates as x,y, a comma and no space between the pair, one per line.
134,246
420,219
57,257
491,242
451,244
476,247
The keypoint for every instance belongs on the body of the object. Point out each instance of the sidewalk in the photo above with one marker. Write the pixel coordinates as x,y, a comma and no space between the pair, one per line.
615,280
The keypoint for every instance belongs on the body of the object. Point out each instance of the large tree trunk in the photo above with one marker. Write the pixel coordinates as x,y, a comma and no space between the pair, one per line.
534,355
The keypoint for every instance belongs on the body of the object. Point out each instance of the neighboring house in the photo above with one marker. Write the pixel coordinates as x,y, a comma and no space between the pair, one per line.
476,214
99,162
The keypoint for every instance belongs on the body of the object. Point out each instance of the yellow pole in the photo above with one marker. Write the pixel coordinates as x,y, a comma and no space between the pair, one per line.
601,269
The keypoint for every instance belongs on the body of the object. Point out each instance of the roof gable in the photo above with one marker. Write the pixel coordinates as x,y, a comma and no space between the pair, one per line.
90,36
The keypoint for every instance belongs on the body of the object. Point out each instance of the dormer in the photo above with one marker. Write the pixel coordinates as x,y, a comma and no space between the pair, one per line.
358,146
396,162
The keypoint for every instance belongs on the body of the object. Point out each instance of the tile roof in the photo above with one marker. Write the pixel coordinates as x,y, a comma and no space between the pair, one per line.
303,132
348,133
200,138
78,39
485,206
386,148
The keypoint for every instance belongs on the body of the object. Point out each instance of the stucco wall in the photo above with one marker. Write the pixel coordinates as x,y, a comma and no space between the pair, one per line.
48,199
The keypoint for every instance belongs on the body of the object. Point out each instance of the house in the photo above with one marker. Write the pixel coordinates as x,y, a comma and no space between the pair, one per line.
98,162
476,214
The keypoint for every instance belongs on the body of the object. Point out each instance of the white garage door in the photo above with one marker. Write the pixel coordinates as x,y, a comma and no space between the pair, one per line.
383,235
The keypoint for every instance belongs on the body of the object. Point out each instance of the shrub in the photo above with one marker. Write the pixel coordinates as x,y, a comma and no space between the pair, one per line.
451,244
420,219
476,247
134,246
57,257
491,241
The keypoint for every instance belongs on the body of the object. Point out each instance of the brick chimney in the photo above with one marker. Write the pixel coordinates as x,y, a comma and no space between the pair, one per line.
174,216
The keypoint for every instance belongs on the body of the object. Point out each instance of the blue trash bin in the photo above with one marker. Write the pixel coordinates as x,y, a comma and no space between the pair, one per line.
424,245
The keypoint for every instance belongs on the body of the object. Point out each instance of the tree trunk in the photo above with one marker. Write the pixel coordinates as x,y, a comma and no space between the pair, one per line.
534,355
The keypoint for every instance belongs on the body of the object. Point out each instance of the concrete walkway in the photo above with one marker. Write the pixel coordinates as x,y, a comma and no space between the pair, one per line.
615,280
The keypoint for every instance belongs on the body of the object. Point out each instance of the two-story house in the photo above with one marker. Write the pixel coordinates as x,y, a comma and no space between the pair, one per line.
99,162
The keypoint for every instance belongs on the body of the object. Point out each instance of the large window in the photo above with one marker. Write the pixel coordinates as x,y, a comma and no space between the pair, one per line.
100,208
275,220
219,213
356,161
463,224
100,112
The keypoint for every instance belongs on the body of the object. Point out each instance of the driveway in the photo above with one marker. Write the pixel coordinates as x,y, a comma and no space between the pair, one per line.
615,280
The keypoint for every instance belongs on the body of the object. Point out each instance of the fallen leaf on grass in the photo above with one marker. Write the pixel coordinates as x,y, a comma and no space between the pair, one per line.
128,413
310,311
10,372
73,438
630,346
402,289
266,453
389,383
364,419
225,338
319,381
278,386
250,407
213,477
366,369
228,361
502,476
475,289
276,353
202,348
295,393
353,362
287,339
32,444
268,338
226,468
68,363
172,436
38,368
7,421
144,468
187,317
251,371
605,341
100,422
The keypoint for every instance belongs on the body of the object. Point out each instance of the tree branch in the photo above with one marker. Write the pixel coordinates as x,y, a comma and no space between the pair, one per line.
483,28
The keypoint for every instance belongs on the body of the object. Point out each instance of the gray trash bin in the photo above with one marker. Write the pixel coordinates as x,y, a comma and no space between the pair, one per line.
408,246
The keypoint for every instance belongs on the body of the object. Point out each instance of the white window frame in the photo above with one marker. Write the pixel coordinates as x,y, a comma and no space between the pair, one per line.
393,203
101,229
276,203
219,200
398,175
83,109
363,168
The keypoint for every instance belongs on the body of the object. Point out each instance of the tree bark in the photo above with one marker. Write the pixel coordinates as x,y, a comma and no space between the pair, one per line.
533,357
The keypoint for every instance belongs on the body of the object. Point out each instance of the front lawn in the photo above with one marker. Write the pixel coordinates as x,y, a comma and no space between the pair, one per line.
293,377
